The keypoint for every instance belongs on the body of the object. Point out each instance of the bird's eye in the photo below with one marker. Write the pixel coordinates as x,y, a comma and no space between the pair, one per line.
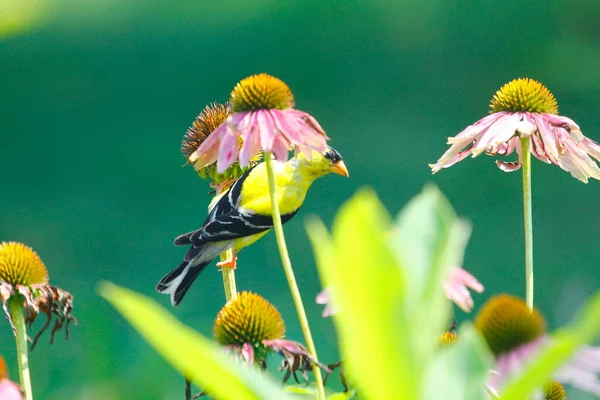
329,155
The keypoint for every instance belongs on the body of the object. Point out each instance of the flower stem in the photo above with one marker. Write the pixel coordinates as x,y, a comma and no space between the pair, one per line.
228,276
527,218
16,313
289,273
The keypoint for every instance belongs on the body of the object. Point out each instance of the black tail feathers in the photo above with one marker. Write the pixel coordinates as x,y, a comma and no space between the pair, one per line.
178,281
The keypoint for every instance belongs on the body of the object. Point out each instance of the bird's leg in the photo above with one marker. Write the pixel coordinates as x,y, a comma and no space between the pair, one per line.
231,263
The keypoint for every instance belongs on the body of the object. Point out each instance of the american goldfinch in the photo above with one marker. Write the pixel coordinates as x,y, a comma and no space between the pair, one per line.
242,215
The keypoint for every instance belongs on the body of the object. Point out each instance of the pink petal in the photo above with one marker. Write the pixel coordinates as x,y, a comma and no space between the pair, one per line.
324,298
456,287
9,390
251,145
558,120
548,137
267,128
582,370
500,132
208,152
591,147
508,166
248,353
228,152
470,132
281,148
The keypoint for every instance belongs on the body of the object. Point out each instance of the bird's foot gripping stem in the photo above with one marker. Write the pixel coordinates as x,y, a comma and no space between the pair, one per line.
231,263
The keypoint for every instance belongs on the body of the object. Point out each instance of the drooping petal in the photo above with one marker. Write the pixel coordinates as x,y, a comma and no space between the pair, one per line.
324,298
578,163
582,371
208,152
228,151
559,120
470,132
548,137
457,287
267,128
247,353
591,147
281,148
508,166
500,132
251,142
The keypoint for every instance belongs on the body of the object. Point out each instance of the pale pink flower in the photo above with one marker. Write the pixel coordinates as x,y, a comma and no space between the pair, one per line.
581,371
457,287
324,298
552,139
263,118
9,390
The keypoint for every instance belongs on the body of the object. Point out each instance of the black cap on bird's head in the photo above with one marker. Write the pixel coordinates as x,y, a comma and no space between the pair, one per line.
337,163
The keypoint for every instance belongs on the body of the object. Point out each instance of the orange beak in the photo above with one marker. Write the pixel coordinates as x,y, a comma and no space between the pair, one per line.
339,168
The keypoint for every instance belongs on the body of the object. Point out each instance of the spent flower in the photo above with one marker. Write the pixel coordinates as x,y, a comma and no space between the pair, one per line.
515,335
525,109
251,328
206,122
264,118
23,276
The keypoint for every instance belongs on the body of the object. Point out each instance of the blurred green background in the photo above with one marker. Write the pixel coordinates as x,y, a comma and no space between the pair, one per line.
95,97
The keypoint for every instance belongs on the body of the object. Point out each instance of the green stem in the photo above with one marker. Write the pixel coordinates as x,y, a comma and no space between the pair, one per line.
16,313
228,276
527,218
289,273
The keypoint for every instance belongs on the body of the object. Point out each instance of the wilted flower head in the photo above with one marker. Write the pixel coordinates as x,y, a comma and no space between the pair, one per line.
205,123
515,335
263,118
525,109
24,276
8,389
252,327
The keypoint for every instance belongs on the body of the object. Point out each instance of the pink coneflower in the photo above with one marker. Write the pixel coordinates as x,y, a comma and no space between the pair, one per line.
263,118
8,389
525,109
251,327
457,287
516,335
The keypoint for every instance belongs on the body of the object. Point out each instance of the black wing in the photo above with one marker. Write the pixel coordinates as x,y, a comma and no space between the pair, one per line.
224,222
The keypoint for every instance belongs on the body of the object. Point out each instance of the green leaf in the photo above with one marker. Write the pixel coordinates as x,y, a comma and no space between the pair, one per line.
428,240
459,370
368,290
387,285
196,356
564,343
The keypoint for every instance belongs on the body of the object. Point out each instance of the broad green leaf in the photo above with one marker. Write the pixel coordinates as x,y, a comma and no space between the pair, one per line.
428,240
584,329
459,371
196,356
368,290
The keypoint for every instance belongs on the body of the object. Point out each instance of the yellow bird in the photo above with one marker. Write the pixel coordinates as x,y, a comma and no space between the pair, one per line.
243,214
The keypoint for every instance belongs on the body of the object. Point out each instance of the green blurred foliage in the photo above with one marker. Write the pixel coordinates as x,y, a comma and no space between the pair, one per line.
97,96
